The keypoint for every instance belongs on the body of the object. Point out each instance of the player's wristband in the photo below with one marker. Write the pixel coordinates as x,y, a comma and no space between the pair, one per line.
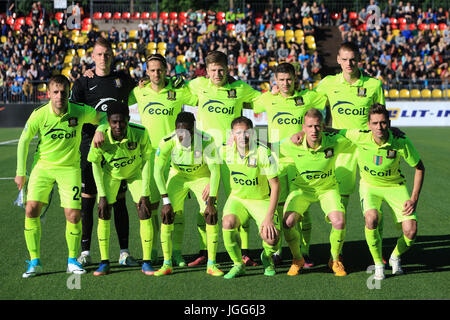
166,200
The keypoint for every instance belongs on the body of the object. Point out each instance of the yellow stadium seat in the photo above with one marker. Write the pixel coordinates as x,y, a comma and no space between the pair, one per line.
299,33
280,33
132,34
132,45
151,51
273,64
151,45
386,93
42,87
425,93
65,71
289,33
395,32
265,86
68,59
119,66
113,45
181,58
436,93
71,52
122,45
81,52
90,49
161,52
447,93
394,93
311,45
3,39
404,93
299,40
162,45
310,39
415,93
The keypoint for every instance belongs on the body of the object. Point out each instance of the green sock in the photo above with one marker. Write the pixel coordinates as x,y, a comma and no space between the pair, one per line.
305,235
201,228
103,233
33,237
403,245
212,236
243,233
166,240
232,245
73,238
374,243
268,249
178,231
337,241
146,232
292,237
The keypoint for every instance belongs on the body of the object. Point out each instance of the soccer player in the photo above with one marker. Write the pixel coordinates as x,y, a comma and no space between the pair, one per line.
124,155
99,90
58,125
285,112
220,100
159,102
350,95
193,167
379,154
253,170
315,181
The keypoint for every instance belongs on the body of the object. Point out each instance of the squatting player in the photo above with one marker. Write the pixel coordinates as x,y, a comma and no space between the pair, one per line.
193,167
159,102
252,170
220,100
99,90
315,181
379,154
124,155
57,159
285,112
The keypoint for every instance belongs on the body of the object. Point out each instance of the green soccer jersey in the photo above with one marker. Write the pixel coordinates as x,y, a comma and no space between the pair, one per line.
123,159
350,103
249,175
285,115
195,161
315,167
379,165
59,135
158,110
218,106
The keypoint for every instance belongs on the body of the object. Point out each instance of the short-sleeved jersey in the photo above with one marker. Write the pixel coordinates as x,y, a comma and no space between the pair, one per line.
98,92
249,175
350,103
315,167
59,135
123,159
196,161
218,106
158,110
285,114
379,165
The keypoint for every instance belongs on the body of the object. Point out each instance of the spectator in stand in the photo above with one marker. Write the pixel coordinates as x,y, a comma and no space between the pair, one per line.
282,52
315,12
305,9
16,92
27,90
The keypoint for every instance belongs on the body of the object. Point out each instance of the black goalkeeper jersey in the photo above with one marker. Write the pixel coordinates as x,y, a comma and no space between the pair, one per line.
97,92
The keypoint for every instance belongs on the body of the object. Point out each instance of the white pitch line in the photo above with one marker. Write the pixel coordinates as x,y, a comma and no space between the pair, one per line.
9,141
7,178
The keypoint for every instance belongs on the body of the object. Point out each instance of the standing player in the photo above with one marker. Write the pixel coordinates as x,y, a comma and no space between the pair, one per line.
57,159
220,100
379,153
315,161
193,167
285,112
104,87
253,170
159,102
350,95
124,155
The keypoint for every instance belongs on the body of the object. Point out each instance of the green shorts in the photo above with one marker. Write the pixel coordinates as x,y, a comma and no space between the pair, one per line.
245,209
346,168
68,180
371,198
112,186
178,186
155,196
299,201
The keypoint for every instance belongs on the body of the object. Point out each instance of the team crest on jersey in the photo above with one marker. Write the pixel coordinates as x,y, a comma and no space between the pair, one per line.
197,154
251,162
378,160
132,145
328,153
232,94
391,154
118,83
171,95
298,101
362,92
73,122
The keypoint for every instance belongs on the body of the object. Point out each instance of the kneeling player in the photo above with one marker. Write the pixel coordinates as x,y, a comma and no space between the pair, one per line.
125,154
379,164
252,169
193,168
315,160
